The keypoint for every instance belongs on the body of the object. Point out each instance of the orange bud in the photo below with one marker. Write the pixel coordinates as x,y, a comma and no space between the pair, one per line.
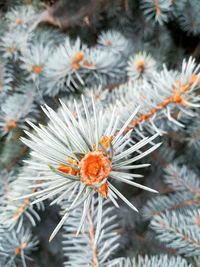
103,190
18,21
77,58
37,69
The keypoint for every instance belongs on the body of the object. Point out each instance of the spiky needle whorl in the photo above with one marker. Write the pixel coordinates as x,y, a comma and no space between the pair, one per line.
16,247
80,155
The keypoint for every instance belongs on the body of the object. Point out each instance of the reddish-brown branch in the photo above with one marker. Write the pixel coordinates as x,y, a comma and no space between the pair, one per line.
190,187
157,7
175,98
182,204
17,158
156,156
126,5
92,242
184,236
23,206
151,242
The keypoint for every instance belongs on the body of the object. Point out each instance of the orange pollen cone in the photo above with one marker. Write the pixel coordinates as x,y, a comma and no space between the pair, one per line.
11,50
106,141
103,190
37,69
11,124
20,248
77,58
94,168
18,21
67,169
177,97
140,65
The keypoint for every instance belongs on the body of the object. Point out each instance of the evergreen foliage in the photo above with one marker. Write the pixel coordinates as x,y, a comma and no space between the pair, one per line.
99,125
